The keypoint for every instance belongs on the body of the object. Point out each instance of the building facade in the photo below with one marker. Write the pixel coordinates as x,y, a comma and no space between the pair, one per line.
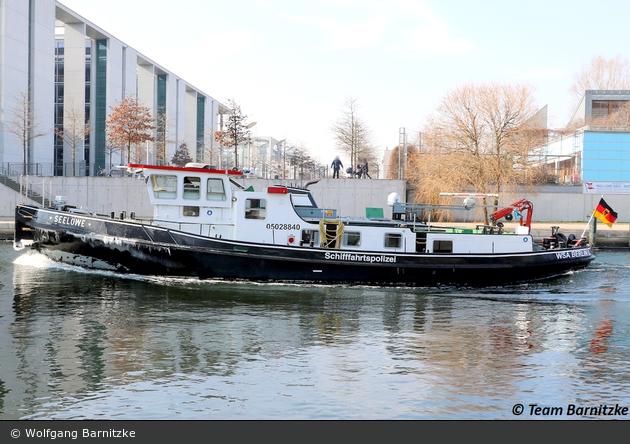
56,68
596,154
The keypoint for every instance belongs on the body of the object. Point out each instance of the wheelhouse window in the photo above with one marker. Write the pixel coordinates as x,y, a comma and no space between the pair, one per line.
255,208
192,186
393,240
216,190
442,246
164,187
190,211
351,239
301,200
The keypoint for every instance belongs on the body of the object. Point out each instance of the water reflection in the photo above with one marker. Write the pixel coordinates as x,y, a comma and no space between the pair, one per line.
77,340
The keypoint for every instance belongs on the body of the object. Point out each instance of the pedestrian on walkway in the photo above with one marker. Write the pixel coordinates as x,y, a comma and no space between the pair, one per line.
365,170
336,166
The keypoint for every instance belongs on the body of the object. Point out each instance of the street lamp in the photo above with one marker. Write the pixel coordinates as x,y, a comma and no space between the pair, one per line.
402,146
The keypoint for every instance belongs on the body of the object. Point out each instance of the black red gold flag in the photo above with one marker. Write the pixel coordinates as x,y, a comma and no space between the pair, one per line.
605,213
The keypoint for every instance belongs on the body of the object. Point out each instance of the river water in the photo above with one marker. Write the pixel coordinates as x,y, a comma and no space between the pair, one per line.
96,345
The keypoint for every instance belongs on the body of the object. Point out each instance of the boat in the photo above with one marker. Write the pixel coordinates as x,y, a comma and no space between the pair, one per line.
208,225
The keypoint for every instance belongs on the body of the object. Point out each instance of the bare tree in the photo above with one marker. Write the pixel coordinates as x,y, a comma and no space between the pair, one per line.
109,151
236,129
601,73
24,125
478,139
352,134
74,132
129,125
299,158
396,159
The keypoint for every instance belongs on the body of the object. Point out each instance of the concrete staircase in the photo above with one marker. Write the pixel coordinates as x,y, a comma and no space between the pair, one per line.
31,191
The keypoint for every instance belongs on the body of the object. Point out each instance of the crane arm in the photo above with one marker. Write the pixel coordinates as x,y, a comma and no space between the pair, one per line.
518,206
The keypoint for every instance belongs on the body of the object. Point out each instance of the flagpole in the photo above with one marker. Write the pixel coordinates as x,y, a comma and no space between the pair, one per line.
590,219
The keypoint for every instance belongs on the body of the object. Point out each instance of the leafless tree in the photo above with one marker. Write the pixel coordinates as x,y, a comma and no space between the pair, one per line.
109,151
236,129
353,135
600,73
24,125
74,131
397,160
302,162
478,139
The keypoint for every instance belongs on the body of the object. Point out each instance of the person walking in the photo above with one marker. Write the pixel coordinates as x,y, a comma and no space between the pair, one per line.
365,170
336,166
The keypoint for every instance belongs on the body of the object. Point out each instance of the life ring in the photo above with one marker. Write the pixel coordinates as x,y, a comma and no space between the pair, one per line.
330,238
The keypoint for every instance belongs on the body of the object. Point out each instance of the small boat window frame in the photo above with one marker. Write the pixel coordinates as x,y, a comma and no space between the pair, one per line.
164,186
310,238
351,239
192,188
255,208
442,246
215,190
190,211
393,240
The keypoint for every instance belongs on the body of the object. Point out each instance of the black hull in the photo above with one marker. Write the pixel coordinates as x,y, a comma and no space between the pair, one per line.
133,247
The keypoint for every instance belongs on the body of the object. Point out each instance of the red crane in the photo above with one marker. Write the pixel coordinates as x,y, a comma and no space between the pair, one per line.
519,206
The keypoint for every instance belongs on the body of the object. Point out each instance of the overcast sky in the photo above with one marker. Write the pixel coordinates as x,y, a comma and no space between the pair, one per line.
292,64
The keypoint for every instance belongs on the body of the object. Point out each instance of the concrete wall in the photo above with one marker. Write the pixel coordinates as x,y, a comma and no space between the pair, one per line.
97,194
105,194
349,196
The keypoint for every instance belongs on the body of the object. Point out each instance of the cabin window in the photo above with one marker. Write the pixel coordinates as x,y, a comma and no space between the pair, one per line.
191,211
442,246
164,187
310,237
191,187
393,240
301,200
255,208
351,239
216,190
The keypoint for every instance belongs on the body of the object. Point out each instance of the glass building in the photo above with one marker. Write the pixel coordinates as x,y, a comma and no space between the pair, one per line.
59,68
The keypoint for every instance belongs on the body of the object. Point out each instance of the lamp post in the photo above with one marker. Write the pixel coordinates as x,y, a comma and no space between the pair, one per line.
402,146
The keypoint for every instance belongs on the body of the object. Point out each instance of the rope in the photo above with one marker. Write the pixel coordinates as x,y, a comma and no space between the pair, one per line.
330,243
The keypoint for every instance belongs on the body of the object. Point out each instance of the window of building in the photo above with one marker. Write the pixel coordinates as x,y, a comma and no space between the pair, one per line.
351,239
605,108
191,211
216,190
393,240
164,187
191,187
442,246
255,208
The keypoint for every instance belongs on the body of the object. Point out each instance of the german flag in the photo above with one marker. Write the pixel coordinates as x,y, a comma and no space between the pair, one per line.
604,213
